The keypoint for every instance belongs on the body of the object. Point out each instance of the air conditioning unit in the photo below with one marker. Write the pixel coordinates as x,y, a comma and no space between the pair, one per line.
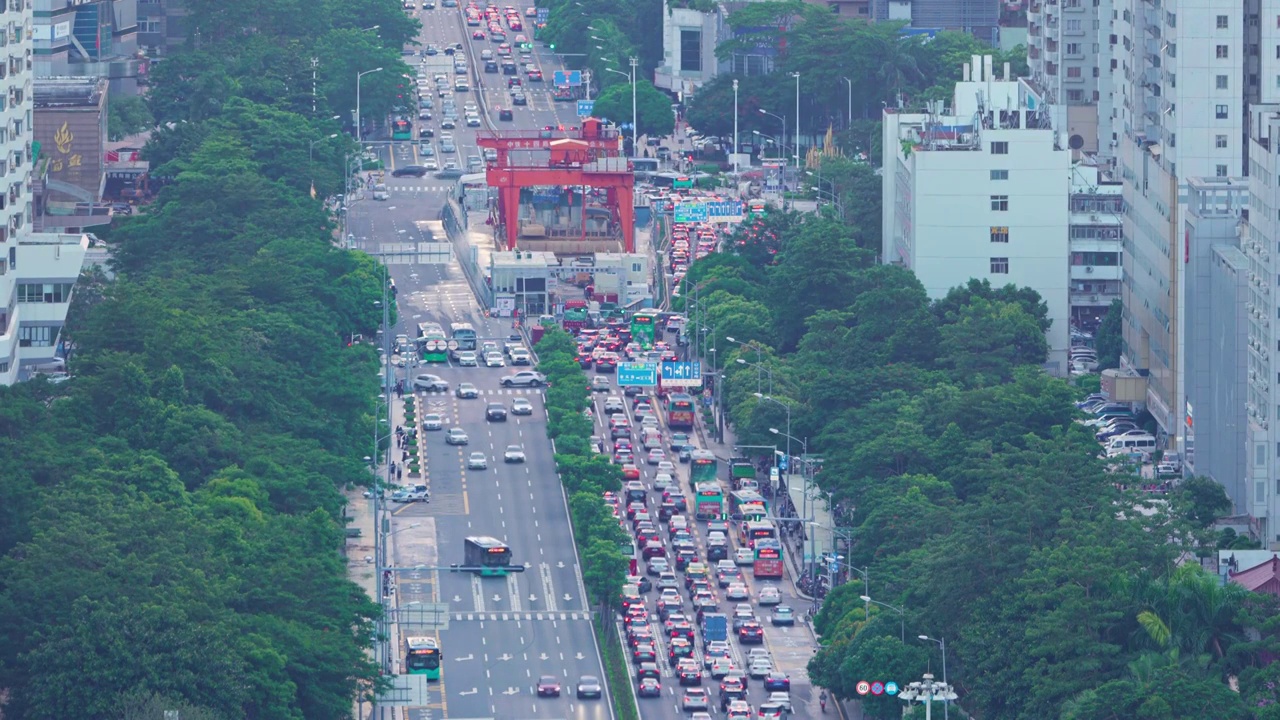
1093,298
1088,269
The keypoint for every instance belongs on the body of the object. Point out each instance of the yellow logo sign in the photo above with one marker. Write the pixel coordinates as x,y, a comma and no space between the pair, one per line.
63,138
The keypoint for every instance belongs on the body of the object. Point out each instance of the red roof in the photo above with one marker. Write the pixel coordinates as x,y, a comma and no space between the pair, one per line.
1264,578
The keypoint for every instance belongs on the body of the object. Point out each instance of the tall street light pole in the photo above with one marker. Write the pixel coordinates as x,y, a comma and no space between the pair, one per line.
946,706
796,75
735,128
359,128
902,614
752,345
760,369
850,84
635,127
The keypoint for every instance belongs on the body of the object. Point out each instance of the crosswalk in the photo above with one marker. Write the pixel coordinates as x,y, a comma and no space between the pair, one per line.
512,617
417,189
488,391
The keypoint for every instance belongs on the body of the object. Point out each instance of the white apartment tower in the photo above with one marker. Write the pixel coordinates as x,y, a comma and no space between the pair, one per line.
1182,94
1096,232
980,190
37,271
1065,42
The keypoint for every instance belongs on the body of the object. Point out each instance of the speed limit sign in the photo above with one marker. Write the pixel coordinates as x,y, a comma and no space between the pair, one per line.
863,687
453,344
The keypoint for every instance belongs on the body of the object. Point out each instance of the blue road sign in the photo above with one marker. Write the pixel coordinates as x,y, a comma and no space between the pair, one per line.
682,373
891,688
584,108
638,374
543,14
570,78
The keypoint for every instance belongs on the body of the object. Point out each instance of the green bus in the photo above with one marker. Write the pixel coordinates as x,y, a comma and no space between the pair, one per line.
422,657
487,556
708,501
643,323
402,129
702,467
433,343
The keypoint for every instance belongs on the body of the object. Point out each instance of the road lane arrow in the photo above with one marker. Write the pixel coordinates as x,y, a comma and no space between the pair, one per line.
560,564
497,597
468,657
472,691
505,657
457,599
532,598
567,598
544,657
579,656
510,691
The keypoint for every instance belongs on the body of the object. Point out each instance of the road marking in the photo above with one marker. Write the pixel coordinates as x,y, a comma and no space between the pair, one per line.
477,593
466,503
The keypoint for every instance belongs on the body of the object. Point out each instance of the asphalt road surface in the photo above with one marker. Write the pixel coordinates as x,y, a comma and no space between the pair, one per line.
497,635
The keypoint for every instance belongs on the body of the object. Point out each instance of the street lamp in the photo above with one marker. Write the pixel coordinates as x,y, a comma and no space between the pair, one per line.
759,369
941,642
311,147
735,126
631,78
850,84
753,345
926,691
796,75
359,130
902,614
783,142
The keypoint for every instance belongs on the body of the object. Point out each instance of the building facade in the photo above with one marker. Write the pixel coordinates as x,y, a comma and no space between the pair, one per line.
1096,232
982,192
96,38
1063,53
37,271
980,18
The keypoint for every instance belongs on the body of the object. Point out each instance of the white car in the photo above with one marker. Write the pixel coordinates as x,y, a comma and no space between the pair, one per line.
769,595
468,391
513,454
743,556
430,163
526,378
736,591
433,383
456,436
466,358
432,421
521,406
656,456
494,359
477,461
520,356
666,466
662,481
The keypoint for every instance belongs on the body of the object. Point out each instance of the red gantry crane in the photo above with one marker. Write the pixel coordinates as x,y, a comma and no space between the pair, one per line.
589,159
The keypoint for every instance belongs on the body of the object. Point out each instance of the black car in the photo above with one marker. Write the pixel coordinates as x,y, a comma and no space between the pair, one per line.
505,114
409,171
426,132
495,412
519,99
491,67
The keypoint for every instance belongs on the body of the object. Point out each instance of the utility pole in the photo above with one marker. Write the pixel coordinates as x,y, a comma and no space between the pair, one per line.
796,75
315,62
635,127
735,126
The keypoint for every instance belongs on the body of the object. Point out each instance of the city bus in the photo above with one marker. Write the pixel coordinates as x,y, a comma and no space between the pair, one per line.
680,410
747,505
487,556
644,168
643,323
465,335
768,559
754,530
702,467
434,343
402,129
708,501
422,657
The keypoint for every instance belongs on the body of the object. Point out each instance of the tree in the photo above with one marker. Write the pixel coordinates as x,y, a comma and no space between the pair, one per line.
653,109
815,271
603,571
985,340
127,115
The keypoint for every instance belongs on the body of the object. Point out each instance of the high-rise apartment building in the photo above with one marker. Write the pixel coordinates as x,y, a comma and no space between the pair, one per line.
1063,46
981,191
1096,232
37,271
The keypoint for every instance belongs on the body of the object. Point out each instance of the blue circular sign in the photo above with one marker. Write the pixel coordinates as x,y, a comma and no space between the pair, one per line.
877,688
891,688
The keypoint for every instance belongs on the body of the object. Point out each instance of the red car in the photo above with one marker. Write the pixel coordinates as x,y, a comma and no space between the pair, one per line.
477,35
548,686
630,472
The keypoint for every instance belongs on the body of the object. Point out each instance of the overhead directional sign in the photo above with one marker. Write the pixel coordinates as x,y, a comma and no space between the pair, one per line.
570,77
543,14
584,107
690,212
638,374
682,374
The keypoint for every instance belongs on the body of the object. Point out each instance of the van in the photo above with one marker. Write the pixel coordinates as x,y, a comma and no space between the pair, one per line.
1131,444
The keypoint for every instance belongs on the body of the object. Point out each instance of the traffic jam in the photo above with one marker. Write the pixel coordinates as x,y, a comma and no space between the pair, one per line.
706,562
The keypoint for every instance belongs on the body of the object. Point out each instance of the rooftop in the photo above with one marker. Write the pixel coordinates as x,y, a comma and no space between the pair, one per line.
69,91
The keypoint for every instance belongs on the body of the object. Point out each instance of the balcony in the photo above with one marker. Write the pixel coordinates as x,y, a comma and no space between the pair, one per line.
1033,52
1097,273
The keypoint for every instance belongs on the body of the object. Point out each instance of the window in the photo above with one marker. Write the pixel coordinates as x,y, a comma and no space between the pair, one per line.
1000,203
44,292
1075,96
1073,25
35,336
1220,141
1222,22
149,26
1221,82
999,234
1221,52
1073,48
1000,148
1073,72
1220,170
691,51
1000,266
999,174
1220,112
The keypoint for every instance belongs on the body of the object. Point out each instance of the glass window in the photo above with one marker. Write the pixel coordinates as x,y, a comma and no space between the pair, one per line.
691,51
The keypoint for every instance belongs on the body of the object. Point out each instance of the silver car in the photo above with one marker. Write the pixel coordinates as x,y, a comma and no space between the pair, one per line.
432,421
513,454
456,436
466,358
524,378
477,461
494,359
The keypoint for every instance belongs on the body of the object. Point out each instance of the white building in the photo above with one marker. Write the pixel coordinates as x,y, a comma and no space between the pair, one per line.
1065,44
689,39
980,191
37,272
1097,244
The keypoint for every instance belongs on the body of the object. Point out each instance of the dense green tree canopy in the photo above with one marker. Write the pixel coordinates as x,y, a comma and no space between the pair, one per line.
653,109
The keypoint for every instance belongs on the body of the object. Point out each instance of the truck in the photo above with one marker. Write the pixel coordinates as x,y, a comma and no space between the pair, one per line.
575,316
740,469
715,628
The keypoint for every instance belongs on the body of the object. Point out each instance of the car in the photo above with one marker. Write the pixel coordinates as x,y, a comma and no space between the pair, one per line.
519,99
467,391
648,670
688,672
736,591
644,654
783,615
717,649
666,466
759,669
513,454
477,461
495,412
663,481
613,405
409,171
600,384
769,595
430,50
493,360
589,687
738,710
478,35
473,121
466,358
649,687
630,471
721,666
695,699
667,580
657,566
456,436
771,710
743,556
751,634
525,378
448,123
521,356
657,455
521,406
535,75
733,687
776,682
430,383
548,686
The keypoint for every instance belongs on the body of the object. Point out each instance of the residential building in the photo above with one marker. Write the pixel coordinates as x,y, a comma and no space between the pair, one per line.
1063,47
1096,231
96,38
981,191
162,26
1179,99
37,271
1217,323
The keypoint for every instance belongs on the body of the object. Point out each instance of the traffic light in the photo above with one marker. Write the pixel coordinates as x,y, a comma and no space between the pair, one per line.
553,47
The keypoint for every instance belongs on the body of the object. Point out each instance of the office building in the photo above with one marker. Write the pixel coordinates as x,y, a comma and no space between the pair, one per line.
162,26
981,190
980,18
37,271
97,38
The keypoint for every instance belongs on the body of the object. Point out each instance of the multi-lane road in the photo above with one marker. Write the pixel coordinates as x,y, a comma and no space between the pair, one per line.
497,635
